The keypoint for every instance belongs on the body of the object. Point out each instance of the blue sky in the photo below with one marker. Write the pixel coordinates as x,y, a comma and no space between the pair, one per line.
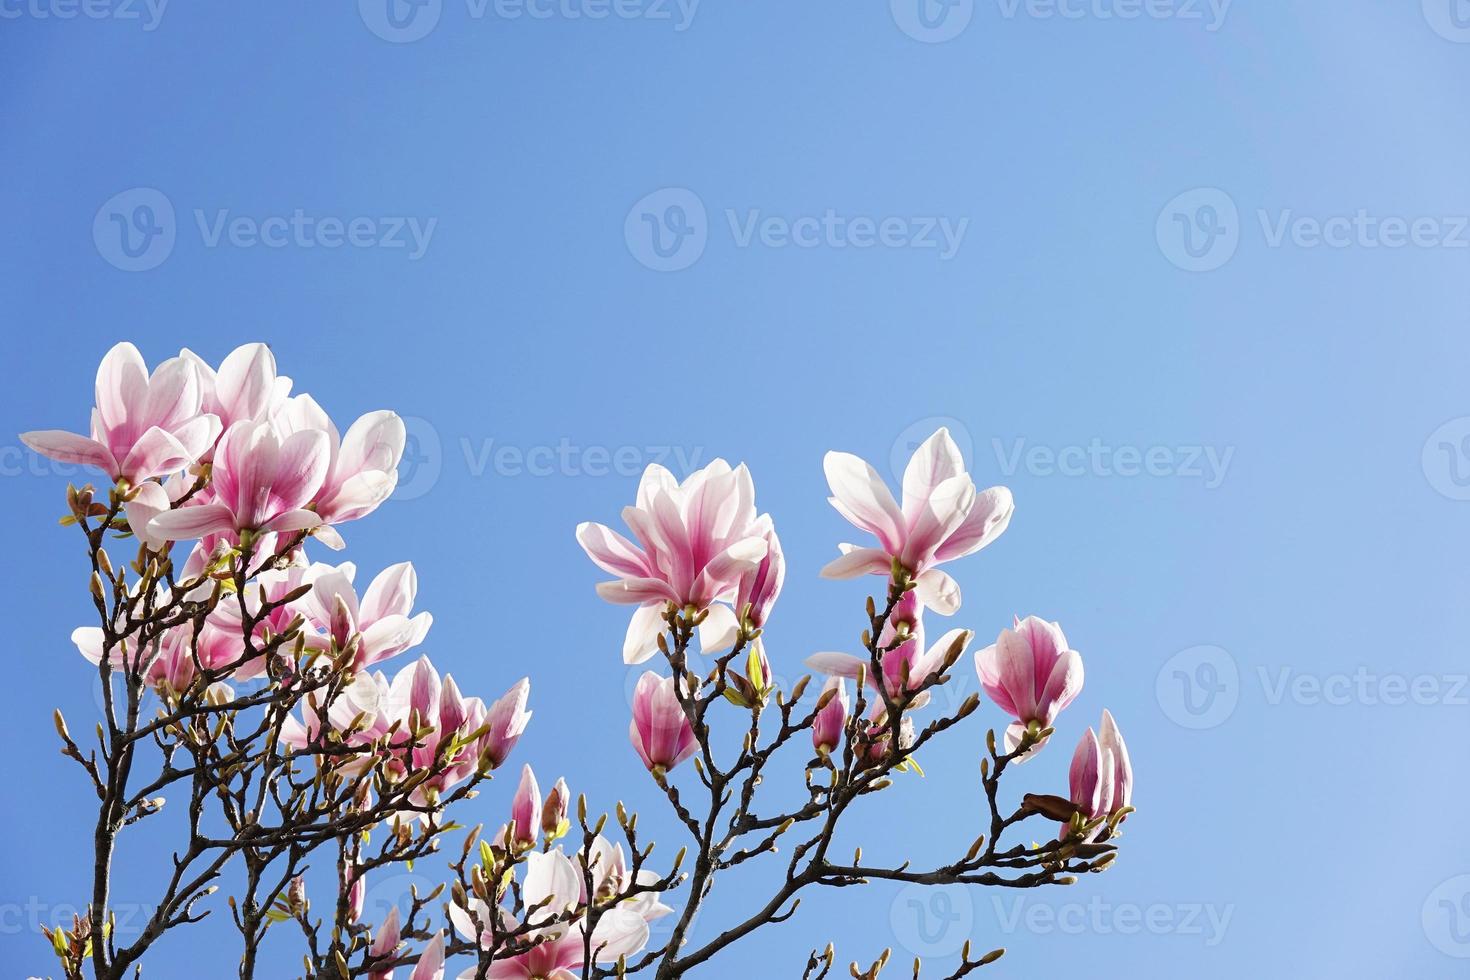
1188,278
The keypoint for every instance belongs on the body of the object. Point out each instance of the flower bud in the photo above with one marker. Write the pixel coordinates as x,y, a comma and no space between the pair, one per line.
831,717
554,821
525,810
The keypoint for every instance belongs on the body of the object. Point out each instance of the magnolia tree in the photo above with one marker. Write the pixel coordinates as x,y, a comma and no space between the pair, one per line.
241,684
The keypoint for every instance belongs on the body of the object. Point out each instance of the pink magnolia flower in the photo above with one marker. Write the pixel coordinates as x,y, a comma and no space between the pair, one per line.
143,426
260,483
1101,777
379,623
831,720
507,719
1030,674
362,467
525,810
695,540
942,518
910,658
660,730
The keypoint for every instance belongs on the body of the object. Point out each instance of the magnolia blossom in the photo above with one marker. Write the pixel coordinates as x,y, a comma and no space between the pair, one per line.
831,720
379,624
525,811
1031,675
909,659
259,482
695,541
143,425
554,891
942,518
1101,777
660,730
507,719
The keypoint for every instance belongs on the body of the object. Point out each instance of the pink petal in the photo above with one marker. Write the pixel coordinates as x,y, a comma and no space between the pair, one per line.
191,522
612,552
937,591
988,518
937,460
858,561
246,382
157,453
860,495
122,384
68,447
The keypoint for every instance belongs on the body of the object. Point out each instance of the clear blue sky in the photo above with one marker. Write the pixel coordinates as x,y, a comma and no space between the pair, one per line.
1228,261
